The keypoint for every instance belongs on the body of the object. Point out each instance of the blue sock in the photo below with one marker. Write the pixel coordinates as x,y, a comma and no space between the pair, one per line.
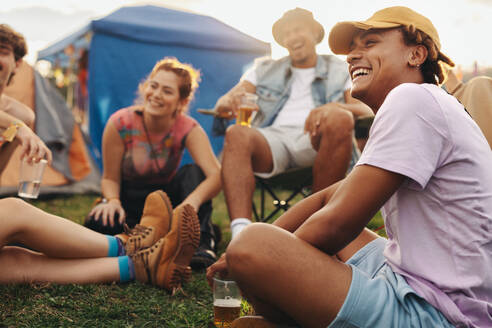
127,270
112,246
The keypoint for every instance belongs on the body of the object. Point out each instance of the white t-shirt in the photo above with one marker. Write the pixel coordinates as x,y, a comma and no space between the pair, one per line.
300,102
439,222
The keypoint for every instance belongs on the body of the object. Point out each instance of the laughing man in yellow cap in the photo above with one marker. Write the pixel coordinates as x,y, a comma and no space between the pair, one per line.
426,166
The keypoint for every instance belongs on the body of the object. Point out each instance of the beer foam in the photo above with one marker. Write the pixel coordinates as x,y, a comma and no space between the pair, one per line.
227,302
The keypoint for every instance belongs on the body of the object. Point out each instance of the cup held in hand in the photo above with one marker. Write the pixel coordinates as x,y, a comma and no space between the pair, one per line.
31,174
247,109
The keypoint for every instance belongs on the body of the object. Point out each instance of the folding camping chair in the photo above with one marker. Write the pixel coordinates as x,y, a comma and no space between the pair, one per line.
295,182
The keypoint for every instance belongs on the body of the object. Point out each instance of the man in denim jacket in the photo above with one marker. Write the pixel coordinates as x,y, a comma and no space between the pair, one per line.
305,118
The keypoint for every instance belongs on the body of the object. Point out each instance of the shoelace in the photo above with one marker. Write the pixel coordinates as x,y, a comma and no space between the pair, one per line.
144,257
139,231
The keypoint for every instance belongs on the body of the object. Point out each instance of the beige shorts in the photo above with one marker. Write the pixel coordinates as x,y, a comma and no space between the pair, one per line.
291,148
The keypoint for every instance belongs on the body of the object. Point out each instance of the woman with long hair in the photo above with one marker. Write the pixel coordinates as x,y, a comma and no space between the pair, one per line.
142,149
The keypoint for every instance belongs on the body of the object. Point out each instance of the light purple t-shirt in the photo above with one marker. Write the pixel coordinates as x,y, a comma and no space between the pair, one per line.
439,222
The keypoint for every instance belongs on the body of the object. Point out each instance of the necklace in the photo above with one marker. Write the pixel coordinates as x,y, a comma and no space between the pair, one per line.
152,150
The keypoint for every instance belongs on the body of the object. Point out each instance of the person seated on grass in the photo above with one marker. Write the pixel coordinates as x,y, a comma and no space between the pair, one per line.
142,149
61,251
426,165
13,113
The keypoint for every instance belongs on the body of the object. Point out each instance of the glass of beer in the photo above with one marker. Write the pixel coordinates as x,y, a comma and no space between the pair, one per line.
227,302
31,174
247,106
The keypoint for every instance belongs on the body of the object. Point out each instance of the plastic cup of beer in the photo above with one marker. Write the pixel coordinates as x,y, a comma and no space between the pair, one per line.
31,174
227,302
247,107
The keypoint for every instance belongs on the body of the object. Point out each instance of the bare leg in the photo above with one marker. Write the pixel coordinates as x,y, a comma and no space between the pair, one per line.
46,233
19,265
335,150
245,151
285,278
271,264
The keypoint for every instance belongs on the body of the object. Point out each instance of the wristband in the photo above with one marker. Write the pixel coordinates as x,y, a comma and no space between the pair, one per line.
9,134
107,200
102,200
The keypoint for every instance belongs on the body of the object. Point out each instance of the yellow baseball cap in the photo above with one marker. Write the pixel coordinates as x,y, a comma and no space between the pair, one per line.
342,34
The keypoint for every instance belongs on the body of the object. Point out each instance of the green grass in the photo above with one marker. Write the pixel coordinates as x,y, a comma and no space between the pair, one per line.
113,305
127,305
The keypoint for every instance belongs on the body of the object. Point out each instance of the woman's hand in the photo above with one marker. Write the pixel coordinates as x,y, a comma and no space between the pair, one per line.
219,267
106,212
32,147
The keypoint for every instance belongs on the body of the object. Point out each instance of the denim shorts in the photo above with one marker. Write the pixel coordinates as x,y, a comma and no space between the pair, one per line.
379,297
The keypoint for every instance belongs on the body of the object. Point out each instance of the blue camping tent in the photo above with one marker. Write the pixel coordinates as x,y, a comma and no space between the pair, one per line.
126,44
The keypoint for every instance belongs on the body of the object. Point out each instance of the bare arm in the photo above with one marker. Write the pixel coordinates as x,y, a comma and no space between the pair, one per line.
199,147
300,212
32,147
113,150
350,208
16,109
227,105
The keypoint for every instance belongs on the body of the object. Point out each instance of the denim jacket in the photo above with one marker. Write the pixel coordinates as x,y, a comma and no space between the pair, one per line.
274,80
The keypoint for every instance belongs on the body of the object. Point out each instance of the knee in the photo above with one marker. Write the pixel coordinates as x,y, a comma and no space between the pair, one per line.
11,206
339,124
11,203
237,138
246,251
12,218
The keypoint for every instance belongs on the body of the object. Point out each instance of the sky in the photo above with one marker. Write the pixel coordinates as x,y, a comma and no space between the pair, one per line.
463,25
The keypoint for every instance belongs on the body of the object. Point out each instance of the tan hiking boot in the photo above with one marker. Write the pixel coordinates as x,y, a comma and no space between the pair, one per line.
155,223
166,263
146,262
